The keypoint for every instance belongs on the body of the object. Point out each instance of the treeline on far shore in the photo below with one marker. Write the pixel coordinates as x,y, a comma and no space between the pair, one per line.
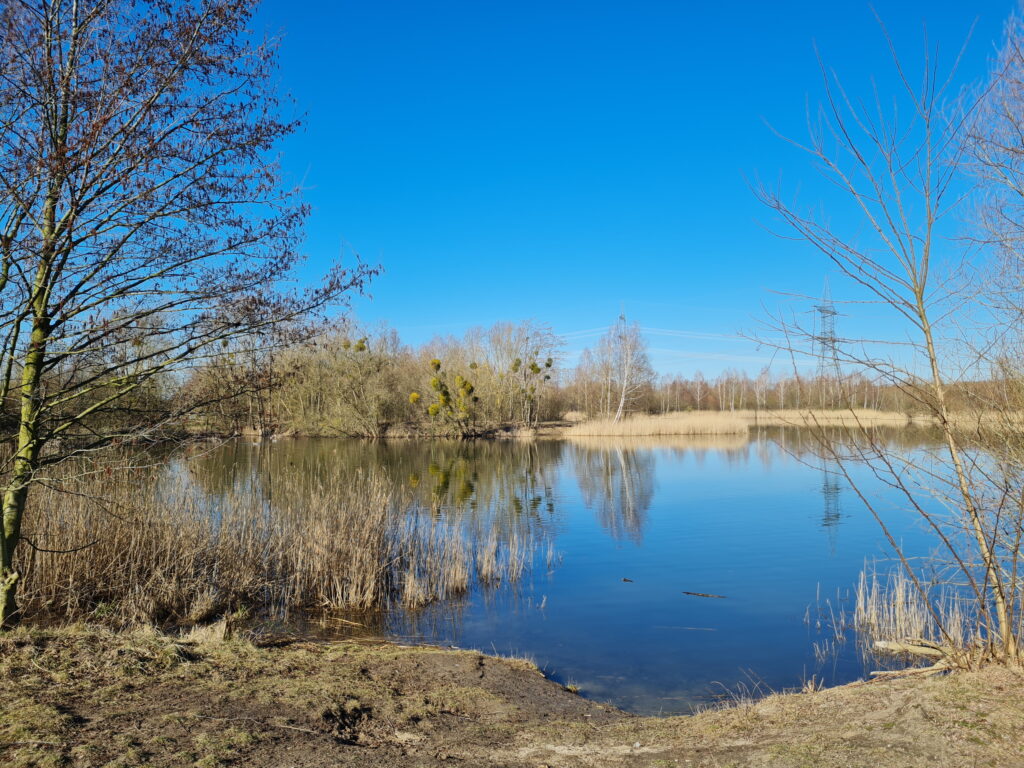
357,382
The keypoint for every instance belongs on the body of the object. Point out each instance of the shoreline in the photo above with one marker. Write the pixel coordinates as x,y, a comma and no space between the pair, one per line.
672,424
83,696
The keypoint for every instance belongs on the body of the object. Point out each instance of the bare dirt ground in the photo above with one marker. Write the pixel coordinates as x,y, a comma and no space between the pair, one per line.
86,697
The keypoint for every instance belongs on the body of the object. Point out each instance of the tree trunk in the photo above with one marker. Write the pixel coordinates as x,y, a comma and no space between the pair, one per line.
27,452
13,510
16,493
626,373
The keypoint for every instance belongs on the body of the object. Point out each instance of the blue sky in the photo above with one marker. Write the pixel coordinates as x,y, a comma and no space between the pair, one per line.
561,161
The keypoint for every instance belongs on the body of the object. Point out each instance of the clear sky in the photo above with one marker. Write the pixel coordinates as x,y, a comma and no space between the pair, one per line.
561,160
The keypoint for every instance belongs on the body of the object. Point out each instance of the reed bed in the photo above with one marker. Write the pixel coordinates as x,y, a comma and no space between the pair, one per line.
733,422
989,421
820,417
498,560
890,611
703,423
679,443
161,550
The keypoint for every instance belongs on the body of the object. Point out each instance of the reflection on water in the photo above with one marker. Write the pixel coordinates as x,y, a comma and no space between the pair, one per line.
617,483
831,488
492,486
616,532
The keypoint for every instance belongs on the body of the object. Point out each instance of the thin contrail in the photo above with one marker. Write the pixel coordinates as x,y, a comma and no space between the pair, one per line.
655,331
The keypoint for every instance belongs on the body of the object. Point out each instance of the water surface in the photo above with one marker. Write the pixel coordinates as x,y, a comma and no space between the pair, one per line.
620,531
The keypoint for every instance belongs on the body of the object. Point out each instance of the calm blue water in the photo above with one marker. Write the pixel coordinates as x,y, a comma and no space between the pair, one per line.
762,522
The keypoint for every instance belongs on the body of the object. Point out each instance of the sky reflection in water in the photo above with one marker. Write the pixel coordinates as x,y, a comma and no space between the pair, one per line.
761,521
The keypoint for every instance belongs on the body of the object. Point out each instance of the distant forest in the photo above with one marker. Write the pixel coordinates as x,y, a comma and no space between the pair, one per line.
352,381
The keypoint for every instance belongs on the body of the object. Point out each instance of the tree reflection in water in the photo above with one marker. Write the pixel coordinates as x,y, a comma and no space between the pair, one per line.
498,496
616,482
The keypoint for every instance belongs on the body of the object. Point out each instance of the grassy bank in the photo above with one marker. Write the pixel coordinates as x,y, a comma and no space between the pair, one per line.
86,697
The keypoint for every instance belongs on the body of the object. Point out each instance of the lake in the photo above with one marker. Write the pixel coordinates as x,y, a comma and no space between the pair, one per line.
615,534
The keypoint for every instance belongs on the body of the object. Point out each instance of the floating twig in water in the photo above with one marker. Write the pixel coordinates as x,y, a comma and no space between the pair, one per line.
703,594
689,629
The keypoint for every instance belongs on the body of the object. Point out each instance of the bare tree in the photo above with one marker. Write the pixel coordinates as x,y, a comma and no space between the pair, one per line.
142,221
628,364
614,374
761,385
587,383
901,169
519,358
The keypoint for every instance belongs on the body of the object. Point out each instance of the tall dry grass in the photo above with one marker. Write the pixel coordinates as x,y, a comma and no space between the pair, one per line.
154,548
732,422
702,423
678,443
820,417
890,614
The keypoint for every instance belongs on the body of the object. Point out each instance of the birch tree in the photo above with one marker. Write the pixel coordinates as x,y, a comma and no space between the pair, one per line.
628,365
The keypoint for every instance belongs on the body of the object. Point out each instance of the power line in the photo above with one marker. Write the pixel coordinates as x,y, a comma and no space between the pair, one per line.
826,346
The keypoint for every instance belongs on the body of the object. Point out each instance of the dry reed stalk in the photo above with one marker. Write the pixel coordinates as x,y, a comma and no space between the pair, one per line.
487,559
162,550
890,613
